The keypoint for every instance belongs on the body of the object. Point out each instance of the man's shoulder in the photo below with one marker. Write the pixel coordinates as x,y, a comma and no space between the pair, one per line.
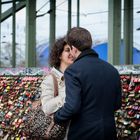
112,68
72,69
75,65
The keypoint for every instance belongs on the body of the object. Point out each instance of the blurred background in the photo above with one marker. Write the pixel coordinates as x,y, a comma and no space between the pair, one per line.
18,48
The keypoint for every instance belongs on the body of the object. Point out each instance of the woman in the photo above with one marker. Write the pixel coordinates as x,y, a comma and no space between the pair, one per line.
60,59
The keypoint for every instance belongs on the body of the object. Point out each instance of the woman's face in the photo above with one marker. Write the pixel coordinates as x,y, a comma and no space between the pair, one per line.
66,57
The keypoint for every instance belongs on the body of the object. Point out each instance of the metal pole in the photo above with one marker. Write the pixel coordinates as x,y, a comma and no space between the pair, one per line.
8,12
30,59
52,21
14,36
0,33
128,31
78,11
114,31
69,14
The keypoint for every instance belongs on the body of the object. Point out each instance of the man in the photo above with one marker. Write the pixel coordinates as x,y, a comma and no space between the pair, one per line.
93,92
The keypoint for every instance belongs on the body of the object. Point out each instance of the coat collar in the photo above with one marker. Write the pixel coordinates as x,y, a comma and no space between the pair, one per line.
85,53
57,73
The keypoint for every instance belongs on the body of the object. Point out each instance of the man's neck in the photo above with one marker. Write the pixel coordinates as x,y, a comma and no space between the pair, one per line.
78,53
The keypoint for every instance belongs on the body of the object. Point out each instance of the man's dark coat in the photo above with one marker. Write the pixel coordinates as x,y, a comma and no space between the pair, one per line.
93,93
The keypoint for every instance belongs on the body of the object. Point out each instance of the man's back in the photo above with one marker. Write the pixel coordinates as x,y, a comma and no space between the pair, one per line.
93,91
100,95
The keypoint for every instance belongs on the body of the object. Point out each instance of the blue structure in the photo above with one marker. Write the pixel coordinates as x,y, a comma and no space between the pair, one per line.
42,55
101,49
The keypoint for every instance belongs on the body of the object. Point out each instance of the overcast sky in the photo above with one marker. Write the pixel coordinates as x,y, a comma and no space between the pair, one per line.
93,16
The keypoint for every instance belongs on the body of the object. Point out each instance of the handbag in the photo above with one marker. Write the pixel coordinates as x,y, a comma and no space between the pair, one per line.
38,125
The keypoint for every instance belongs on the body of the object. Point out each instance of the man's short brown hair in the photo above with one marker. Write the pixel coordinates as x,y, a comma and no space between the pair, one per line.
80,38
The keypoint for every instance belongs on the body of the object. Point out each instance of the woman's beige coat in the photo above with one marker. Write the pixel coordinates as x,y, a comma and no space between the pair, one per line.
51,104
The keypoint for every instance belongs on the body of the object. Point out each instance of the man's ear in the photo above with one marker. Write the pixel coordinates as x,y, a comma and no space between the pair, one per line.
74,49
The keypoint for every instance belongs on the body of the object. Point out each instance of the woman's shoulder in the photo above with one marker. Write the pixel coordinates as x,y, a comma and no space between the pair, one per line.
57,73
47,79
48,76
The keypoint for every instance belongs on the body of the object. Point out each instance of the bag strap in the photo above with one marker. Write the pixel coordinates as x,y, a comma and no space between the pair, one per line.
37,103
55,85
49,129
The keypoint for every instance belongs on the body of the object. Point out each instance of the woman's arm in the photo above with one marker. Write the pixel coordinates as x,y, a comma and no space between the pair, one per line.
50,104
